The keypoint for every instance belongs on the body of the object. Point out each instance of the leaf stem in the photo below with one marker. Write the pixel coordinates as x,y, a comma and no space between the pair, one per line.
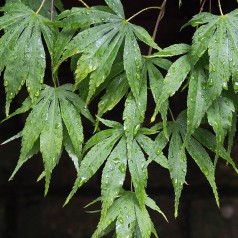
172,115
160,17
52,10
84,3
42,4
143,10
220,9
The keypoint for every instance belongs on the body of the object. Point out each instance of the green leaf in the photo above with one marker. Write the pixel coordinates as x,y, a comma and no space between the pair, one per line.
197,98
113,175
200,156
18,135
21,47
102,48
116,6
177,73
32,129
220,116
123,212
61,42
144,221
151,204
71,117
208,139
202,159
26,106
116,90
177,165
79,17
216,36
131,117
44,126
138,170
143,36
149,146
98,137
132,63
67,143
51,139
172,50
92,161
111,124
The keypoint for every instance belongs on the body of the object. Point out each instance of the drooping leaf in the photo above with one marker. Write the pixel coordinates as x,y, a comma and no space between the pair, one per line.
177,165
44,126
113,175
51,138
21,47
138,170
103,44
177,73
35,4
197,98
149,146
216,35
130,219
220,116
117,88
93,160
173,50
208,139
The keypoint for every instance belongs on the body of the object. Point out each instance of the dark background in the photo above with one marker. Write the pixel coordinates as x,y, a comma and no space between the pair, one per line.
24,212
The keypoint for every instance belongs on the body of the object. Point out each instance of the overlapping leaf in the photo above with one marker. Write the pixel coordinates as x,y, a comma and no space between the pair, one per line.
35,4
175,76
22,51
195,147
220,116
53,123
128,218
216,35
103,43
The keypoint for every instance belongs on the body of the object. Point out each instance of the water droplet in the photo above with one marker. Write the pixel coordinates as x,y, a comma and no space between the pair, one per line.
206,172
109,221
210,82
6,83
136,129
120,219
116,160
225,86
158,151
122,168
37,94
235,86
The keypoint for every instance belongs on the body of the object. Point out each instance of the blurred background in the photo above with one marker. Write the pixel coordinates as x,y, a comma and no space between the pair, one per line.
25,213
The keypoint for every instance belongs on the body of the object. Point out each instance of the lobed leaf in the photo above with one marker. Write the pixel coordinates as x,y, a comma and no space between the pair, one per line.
113,175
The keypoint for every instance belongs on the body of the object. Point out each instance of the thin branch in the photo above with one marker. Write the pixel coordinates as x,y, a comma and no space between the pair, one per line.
202,6
220,9
143,10
160,16
210,5
52,10
42,4
84,3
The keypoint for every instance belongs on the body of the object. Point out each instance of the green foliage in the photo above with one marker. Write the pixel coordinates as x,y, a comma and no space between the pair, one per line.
109,69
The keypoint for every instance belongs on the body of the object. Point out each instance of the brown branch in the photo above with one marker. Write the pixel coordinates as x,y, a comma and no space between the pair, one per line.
202,6
52,10
160,17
